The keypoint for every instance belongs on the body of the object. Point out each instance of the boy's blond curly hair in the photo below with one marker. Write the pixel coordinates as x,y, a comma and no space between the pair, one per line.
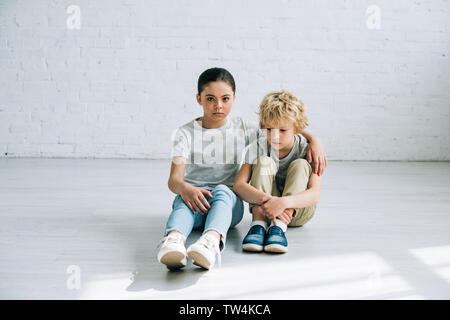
278,106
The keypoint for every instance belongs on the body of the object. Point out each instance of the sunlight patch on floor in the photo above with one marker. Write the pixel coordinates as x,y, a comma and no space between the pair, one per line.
437,258
350,276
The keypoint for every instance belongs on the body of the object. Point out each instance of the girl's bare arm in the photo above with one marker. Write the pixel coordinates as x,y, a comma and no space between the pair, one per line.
194,197
315,152
176,178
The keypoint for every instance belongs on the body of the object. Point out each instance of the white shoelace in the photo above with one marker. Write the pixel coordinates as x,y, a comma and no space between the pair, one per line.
171,238
211,243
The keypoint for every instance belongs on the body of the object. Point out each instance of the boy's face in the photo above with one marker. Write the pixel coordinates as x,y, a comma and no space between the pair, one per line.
281,135
216,99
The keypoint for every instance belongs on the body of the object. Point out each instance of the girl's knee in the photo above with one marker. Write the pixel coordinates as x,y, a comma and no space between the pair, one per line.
222,189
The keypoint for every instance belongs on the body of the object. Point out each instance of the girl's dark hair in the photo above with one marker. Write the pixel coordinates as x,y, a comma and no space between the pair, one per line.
215,74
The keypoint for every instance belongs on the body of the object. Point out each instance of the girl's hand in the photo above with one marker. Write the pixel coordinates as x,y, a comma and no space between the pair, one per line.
315,151
274,207
194,197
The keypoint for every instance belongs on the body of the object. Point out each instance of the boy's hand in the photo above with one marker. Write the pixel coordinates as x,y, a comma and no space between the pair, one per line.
286,215
194,197
257,211
315,151
266,197
274,207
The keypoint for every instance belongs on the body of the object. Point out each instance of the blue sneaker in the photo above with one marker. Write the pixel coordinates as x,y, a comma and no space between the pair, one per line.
254,240
275,240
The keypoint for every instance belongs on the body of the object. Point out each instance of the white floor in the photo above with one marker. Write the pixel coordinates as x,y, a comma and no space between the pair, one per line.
382,231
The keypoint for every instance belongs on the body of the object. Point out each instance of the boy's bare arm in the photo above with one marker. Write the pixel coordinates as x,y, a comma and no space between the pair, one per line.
277,206
246,191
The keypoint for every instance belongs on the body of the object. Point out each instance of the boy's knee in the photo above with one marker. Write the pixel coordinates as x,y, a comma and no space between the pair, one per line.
301,164
265,165
264,161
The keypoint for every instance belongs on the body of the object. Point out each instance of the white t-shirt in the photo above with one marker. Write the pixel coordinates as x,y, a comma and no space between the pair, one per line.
213,156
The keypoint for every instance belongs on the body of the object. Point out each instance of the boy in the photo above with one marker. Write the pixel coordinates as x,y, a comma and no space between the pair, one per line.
284,189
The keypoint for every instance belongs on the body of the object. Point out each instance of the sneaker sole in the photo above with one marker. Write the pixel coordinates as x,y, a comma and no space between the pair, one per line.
275,248
199,260
252,247
174,260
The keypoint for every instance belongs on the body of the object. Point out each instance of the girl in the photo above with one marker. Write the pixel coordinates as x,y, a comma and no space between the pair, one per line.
206,157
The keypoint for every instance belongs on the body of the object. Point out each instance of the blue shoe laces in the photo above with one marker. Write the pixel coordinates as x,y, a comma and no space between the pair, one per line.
275,230
256,229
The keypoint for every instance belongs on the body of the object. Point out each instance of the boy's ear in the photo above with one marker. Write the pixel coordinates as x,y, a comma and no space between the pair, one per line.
199,100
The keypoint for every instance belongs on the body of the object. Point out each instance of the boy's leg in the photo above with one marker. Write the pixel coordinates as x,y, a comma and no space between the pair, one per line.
297,178
264,171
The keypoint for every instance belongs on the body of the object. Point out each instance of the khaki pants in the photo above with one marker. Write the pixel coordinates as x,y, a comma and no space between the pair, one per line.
264,171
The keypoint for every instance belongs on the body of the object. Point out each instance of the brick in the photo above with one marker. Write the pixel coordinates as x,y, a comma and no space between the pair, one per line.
128,77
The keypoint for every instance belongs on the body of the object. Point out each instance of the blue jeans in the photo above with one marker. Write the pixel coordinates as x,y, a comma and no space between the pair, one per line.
226,211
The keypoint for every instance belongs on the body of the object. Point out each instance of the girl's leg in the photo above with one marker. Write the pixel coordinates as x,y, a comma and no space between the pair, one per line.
182,219
172,251
226,211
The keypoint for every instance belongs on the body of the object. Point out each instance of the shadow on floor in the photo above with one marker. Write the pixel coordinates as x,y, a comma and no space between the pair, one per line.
141,234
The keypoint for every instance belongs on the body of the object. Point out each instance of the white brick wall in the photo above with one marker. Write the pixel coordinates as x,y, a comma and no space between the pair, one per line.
118,86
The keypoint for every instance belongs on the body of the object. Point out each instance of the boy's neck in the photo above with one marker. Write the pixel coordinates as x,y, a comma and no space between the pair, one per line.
285,151
211,124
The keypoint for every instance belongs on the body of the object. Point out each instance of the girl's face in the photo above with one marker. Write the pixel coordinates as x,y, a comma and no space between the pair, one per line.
281,135
216,98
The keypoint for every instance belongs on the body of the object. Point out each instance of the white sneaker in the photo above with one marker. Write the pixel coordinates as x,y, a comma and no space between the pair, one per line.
203,252
172,251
